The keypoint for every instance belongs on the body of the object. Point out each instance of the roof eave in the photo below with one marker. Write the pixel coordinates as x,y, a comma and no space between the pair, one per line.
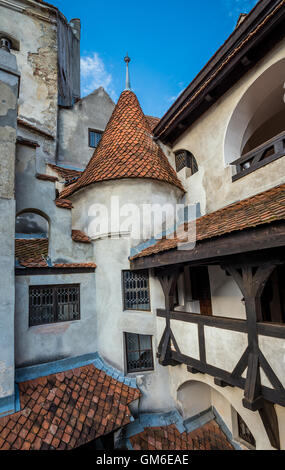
213,80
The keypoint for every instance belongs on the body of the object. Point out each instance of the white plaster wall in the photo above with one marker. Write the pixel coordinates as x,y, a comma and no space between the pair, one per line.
111,257
193,398
37,60
274,352
91,112
136,192
224,348
46,343
35,194
212,185
186,335
226,295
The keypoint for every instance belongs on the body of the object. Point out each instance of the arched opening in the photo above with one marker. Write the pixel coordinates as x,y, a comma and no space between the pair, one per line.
200,403
258,122
185,159
32,238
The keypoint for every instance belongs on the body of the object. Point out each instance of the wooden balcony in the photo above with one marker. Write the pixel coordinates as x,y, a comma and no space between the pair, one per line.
218,346
260,156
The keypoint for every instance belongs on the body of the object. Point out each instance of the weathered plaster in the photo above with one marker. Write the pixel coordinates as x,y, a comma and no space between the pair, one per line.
91,112
206,140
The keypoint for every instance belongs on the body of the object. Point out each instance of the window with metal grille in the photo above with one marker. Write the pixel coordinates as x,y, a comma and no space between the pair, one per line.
244,432
139,352
183,159
136,290
94,138
54,304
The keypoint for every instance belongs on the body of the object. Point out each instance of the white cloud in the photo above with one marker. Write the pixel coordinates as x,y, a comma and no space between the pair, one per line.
235,7
94,75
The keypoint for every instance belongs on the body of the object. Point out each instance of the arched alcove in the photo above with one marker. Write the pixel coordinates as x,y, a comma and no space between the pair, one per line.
259,115
199,398
32,223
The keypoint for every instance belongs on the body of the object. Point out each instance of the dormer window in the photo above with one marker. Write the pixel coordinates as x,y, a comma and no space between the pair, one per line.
94,138
185,159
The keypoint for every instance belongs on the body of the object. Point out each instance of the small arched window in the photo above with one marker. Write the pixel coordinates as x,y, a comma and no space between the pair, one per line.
183,159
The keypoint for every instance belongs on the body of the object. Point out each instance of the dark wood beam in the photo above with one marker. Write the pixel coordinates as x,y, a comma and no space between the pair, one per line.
216,250
270,422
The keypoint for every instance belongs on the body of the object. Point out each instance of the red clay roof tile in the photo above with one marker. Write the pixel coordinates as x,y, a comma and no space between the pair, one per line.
262,208
31,252
80,237
67,174
44,177
64,203
208,437
126,150
62,411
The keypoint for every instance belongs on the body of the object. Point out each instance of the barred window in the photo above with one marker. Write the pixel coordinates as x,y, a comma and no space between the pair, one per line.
94,138
136,290
183,159
139,352
244,432
54,304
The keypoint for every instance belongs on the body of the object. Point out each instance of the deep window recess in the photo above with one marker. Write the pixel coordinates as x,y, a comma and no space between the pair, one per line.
94,138
273,297
200,285
139,352
244,433
136,290
183,159
54,304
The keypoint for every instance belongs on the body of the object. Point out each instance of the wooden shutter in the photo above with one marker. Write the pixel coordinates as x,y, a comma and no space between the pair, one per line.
201,291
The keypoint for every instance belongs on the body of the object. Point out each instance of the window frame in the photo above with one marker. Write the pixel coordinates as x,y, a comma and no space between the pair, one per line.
190,161
54,305
147,369
125,309
96,131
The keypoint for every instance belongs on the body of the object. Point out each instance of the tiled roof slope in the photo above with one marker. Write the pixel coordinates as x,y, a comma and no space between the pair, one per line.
80,237
152,121
126,150
66,410
207,437
31,252
63,203
262,208
67,174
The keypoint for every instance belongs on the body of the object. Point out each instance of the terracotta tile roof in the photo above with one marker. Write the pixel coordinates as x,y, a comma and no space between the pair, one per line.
262,208
208,437
66,410
75,265
43,177
64,203
152,121
31,252
67,174
80,237
126,150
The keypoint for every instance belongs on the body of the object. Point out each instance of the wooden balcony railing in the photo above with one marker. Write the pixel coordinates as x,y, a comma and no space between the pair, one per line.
203,363
260,156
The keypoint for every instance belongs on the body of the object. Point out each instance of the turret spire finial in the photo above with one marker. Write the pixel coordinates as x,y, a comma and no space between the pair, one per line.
128,83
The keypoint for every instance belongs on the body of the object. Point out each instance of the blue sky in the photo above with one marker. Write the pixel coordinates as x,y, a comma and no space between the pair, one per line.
169,41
